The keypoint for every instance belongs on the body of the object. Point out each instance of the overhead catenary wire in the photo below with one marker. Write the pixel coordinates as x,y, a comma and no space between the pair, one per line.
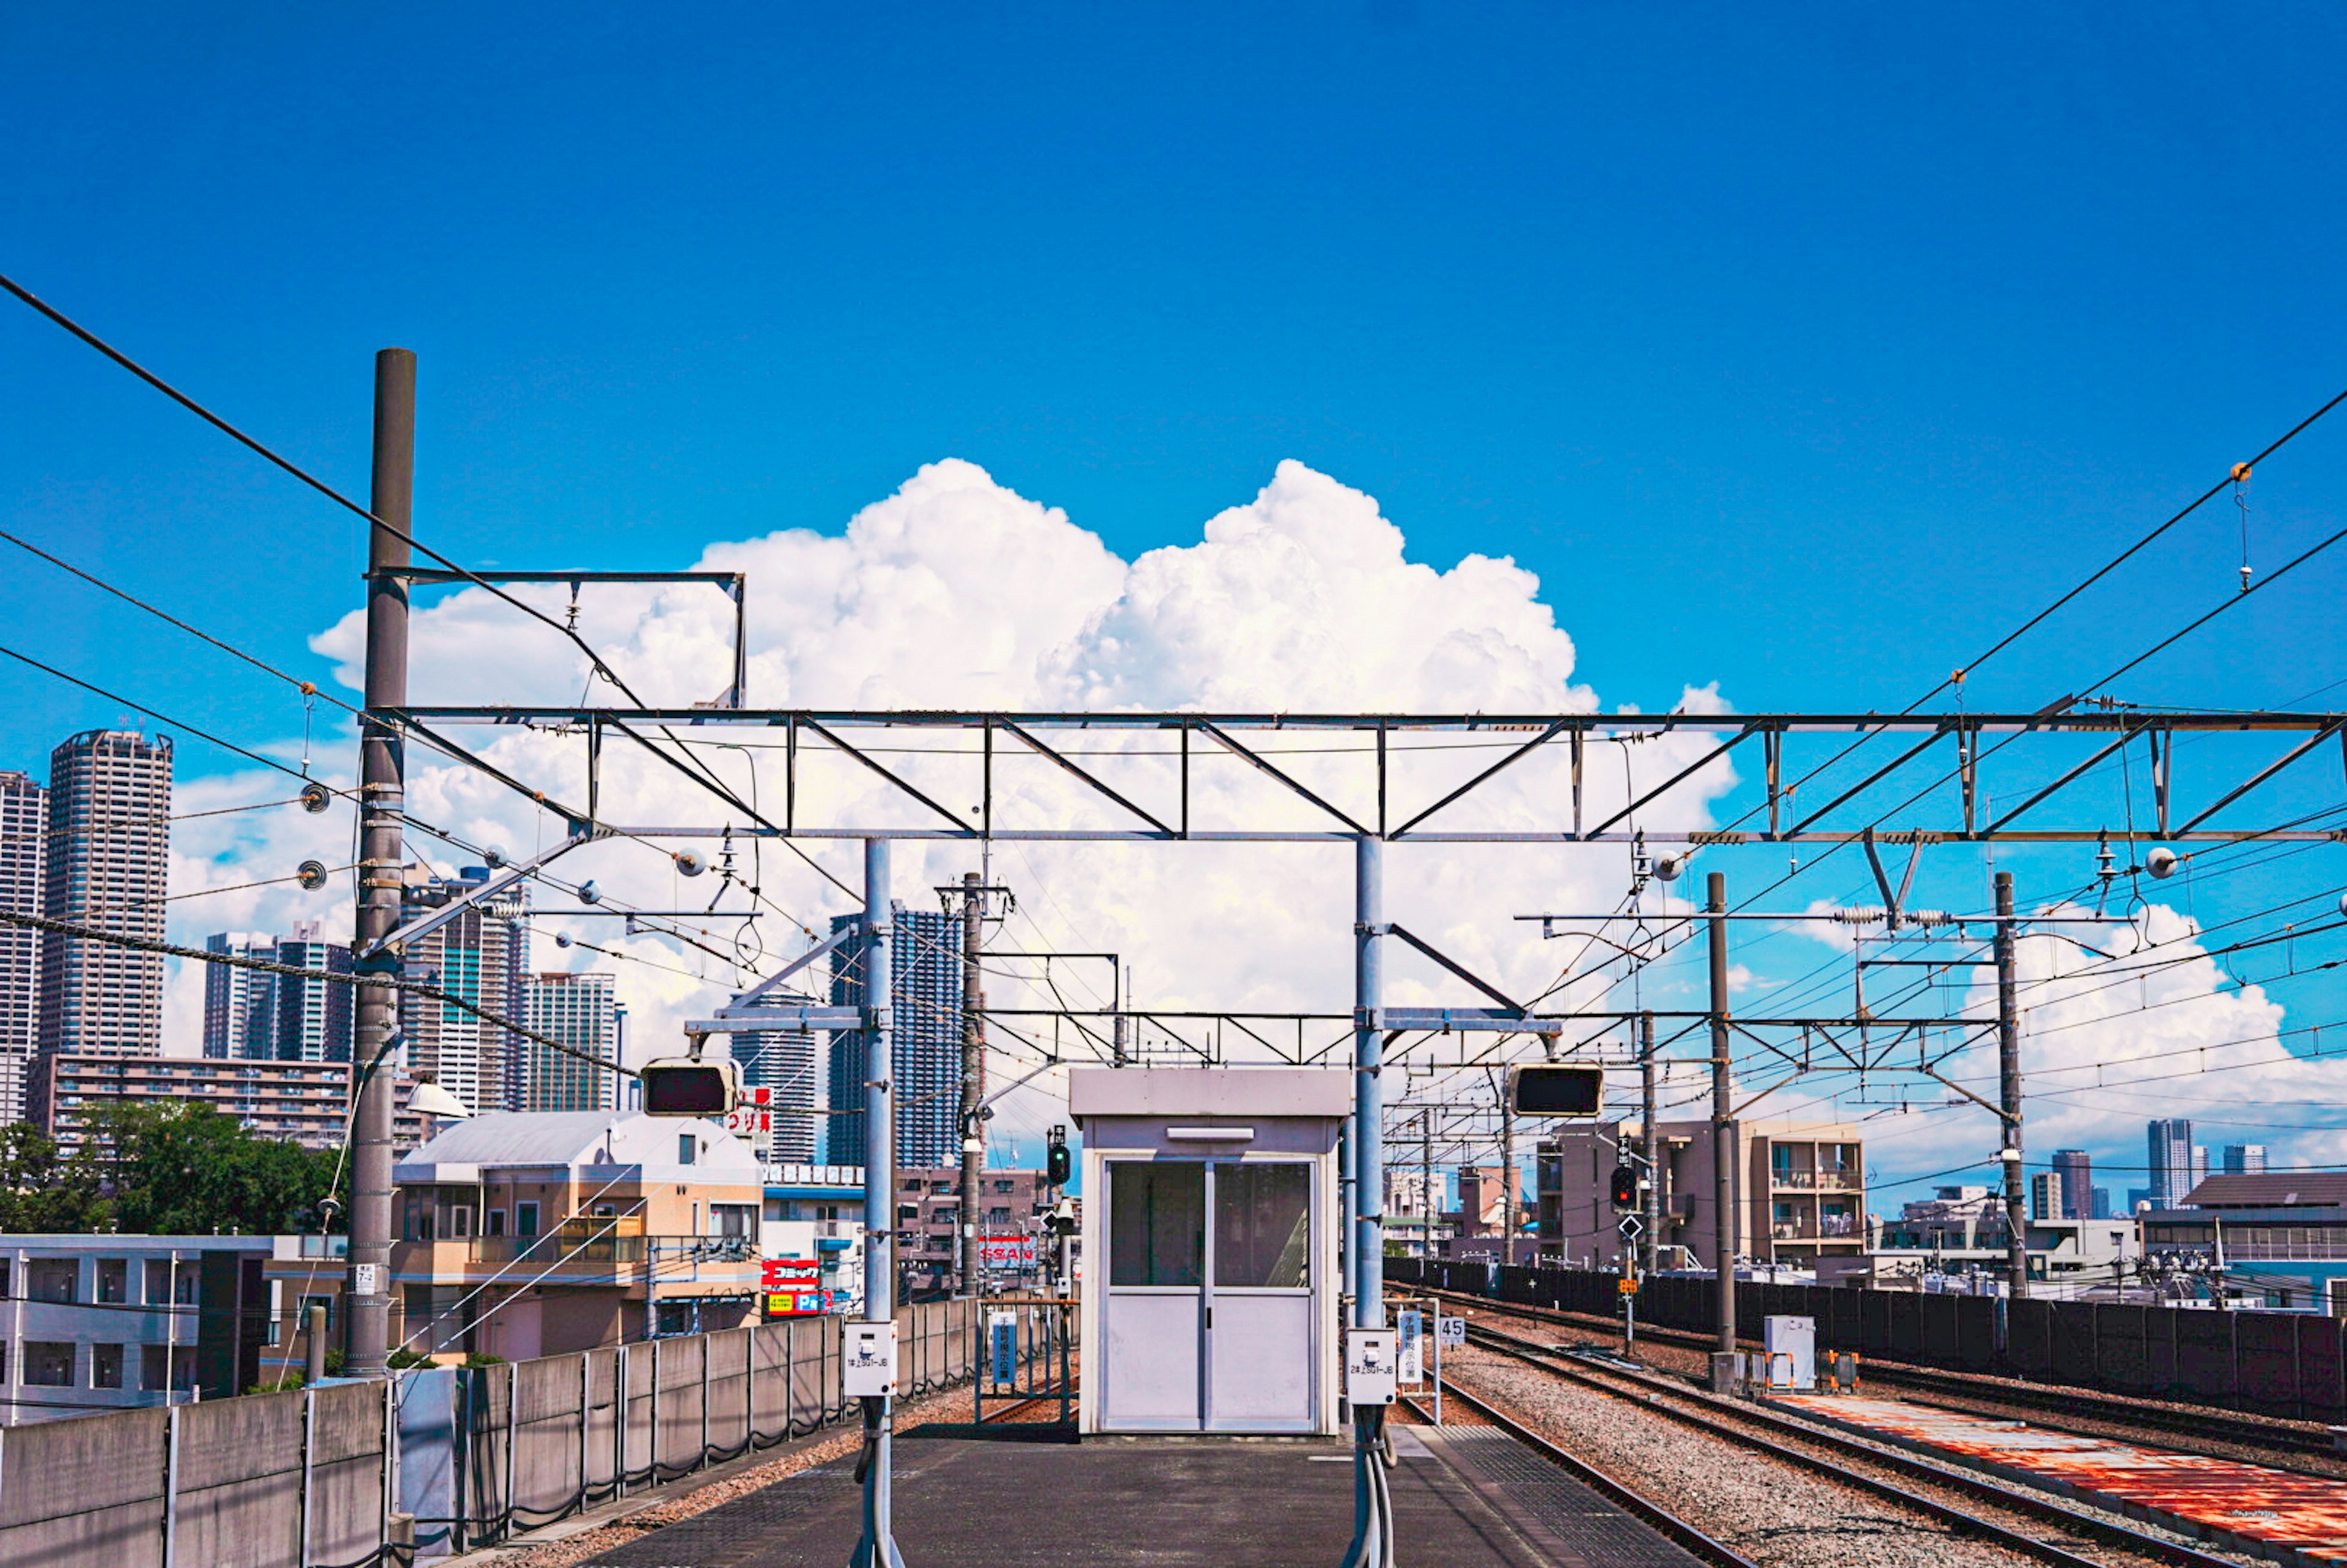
331,977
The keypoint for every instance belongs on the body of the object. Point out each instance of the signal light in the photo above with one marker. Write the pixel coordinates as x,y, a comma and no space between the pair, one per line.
1626,1187
1059,1164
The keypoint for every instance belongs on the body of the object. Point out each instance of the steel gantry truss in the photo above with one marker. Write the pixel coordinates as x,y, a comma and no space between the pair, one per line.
1953,777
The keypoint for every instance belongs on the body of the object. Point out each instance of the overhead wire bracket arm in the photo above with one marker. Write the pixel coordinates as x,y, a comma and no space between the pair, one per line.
480,893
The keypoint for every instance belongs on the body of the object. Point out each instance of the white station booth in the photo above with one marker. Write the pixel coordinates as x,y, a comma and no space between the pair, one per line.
1211,1219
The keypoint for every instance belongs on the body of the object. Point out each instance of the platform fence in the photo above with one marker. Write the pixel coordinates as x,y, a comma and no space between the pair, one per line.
314,1477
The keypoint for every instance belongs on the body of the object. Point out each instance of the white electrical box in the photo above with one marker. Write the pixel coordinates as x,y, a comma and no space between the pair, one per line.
1789,1353
868,1368
1370,1366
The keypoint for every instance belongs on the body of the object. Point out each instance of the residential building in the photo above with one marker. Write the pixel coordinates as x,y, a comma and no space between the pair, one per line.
925,1053
581,1010
482,954
928,1214
2046,1201
2099,1207
2276,1239
106,864
1800,1190
784,1063
305,1102
525,1233
1484,1193
2170,1142
314,1016
2245,1159
24,831
93,1323
1962,1232
240,1004
2077,1169
816,1213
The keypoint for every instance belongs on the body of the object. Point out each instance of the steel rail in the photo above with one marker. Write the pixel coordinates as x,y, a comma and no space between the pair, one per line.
1653,1514
1721,1419
2056,1405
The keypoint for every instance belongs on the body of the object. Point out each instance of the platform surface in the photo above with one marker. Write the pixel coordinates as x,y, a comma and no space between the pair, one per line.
1466,1498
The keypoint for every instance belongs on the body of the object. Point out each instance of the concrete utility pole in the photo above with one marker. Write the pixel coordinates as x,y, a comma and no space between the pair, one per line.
877,1546
1368,1102
382,773
1507,1177
973,1079
1723,1112
1427,1207
2008,1073
1650,1207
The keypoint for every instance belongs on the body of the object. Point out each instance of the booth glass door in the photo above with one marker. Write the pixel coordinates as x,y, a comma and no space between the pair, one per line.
1208,1319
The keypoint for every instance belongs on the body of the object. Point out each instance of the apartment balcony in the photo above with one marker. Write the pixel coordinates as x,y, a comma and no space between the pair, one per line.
1829,1181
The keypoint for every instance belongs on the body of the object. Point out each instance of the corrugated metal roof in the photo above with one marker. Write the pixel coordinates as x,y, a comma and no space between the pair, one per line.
517,1138
2271,1190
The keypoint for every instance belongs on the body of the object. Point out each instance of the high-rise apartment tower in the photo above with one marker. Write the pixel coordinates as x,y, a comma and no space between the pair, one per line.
925,1063
24,829
107,857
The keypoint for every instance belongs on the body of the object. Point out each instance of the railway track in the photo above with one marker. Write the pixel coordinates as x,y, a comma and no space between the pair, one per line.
1799,1443
1669,1525
2058,1408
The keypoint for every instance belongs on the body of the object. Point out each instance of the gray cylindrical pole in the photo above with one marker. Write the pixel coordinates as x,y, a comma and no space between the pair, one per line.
2008,1073
973,1080
381,775
1651,1145
1368,1099
313,1346
1723,1112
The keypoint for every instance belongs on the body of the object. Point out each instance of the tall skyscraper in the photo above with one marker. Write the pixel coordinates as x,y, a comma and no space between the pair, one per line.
2200,1165
240,1005
313,1018
106,860
482,954
252,1014
2077,1171
24,829
924,1063
580,1011
2245,1159
783,1062
2170,1161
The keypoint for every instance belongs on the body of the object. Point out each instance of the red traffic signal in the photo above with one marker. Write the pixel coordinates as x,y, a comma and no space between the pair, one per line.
1626,1187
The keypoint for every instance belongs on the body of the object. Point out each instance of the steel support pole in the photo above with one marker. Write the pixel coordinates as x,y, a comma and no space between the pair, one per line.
1723,1111
382,773
2008,1073
1368,1096
973,1082
1650,1207
878,1547
1373,1543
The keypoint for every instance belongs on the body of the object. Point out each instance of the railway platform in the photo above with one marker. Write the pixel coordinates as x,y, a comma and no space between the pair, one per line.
1467,1497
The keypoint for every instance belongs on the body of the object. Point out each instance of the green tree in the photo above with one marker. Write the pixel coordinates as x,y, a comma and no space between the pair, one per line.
176,1169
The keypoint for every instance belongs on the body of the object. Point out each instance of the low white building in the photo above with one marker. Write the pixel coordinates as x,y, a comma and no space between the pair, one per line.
95,1323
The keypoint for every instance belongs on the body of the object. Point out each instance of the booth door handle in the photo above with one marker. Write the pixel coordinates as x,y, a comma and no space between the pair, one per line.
1210,1315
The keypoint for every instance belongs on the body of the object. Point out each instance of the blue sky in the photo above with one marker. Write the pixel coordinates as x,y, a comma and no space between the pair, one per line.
1804,352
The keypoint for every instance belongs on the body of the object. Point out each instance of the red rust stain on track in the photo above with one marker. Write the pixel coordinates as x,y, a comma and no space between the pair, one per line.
2270,1506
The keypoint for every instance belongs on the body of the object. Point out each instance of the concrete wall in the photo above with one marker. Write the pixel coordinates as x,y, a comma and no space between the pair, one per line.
246,1482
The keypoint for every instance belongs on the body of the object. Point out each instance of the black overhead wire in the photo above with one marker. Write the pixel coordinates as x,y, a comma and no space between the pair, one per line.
161,718
2002,643
307,688
331,977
